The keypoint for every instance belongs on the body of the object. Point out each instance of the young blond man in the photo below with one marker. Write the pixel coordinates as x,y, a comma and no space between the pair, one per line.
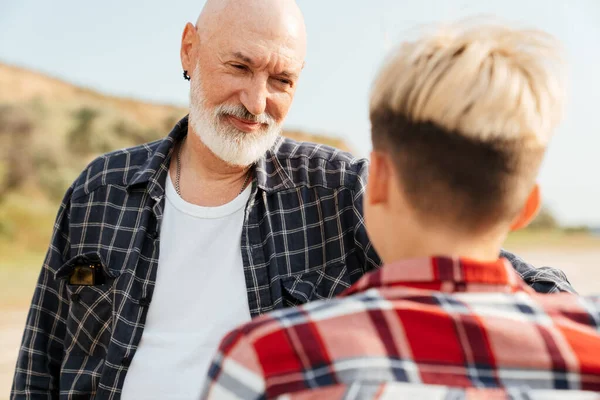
461,120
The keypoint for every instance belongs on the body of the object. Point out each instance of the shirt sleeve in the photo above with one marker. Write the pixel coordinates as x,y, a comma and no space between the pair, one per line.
235,371
369,258
41,352
543,279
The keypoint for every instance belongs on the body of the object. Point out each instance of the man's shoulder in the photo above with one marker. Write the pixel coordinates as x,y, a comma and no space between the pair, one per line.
315,164
313,152
541,279
116,168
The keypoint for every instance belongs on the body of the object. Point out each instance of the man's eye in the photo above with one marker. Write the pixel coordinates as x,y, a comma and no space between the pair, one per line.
239,66
284,82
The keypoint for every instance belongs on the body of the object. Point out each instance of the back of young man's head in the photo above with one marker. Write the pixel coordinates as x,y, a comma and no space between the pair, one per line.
460,122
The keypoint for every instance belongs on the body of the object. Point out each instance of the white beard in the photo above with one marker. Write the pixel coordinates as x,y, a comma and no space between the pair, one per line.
225,141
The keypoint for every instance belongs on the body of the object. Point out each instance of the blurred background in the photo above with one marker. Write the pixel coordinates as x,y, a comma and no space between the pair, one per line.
78,79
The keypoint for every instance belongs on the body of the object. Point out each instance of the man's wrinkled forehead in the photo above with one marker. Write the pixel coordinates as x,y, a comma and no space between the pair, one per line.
275,25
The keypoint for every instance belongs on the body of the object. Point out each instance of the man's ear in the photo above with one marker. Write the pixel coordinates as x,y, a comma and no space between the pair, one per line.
529,210
188,39
379,174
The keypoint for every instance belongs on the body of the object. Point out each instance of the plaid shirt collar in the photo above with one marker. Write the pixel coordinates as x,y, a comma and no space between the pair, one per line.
270,174
444,274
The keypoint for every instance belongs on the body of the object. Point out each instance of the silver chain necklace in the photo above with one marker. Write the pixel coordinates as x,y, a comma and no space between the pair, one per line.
178,175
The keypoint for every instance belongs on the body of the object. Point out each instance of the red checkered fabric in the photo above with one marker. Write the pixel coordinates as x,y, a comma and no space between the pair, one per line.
446,328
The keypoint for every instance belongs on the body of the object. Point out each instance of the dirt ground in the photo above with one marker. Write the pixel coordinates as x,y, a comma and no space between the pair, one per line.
11,329
581,266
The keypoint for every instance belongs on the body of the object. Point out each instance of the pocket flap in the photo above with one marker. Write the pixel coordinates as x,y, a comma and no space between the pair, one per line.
86,258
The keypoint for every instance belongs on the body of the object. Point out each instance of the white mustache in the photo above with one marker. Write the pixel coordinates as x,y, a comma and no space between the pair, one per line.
239,111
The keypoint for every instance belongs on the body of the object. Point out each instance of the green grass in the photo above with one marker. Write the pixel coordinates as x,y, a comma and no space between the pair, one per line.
26,222
25,229
18,279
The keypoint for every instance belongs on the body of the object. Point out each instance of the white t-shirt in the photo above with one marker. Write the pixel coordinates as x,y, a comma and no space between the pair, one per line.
200,295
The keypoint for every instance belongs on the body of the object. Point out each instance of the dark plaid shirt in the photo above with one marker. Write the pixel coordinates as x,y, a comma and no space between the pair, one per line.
303,239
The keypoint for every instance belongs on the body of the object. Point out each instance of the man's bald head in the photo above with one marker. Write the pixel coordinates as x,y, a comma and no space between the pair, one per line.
271,19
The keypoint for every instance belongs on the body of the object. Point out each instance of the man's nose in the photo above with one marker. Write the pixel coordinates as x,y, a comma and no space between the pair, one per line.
254,97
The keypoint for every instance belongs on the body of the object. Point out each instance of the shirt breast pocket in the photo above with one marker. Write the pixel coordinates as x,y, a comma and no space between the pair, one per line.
89,323
318,284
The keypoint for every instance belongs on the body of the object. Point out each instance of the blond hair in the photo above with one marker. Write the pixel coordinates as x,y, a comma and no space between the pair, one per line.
485,82
467,113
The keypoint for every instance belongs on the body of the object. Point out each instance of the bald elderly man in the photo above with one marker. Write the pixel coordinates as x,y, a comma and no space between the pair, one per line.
159,250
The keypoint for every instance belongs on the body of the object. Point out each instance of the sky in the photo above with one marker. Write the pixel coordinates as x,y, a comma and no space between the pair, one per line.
131,48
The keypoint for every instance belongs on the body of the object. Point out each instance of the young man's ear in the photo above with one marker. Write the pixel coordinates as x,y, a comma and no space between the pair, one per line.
379,175
529,210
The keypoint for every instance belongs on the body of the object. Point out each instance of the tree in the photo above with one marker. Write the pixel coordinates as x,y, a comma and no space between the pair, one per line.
16,128
80,137
545,220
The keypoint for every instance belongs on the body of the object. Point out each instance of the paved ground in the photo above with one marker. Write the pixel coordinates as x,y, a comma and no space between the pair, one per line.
581,266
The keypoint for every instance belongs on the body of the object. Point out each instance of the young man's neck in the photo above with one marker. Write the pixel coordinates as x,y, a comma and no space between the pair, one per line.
416,244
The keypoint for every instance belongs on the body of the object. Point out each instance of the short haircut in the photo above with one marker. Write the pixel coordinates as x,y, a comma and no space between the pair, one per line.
466,114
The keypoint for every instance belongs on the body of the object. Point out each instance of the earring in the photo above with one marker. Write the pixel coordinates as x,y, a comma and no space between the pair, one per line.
185,75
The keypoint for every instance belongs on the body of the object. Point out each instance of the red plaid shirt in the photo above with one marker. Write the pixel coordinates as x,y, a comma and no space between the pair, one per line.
425,328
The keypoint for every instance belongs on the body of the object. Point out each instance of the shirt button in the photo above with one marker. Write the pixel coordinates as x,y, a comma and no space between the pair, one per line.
126,362
74,297
154,235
